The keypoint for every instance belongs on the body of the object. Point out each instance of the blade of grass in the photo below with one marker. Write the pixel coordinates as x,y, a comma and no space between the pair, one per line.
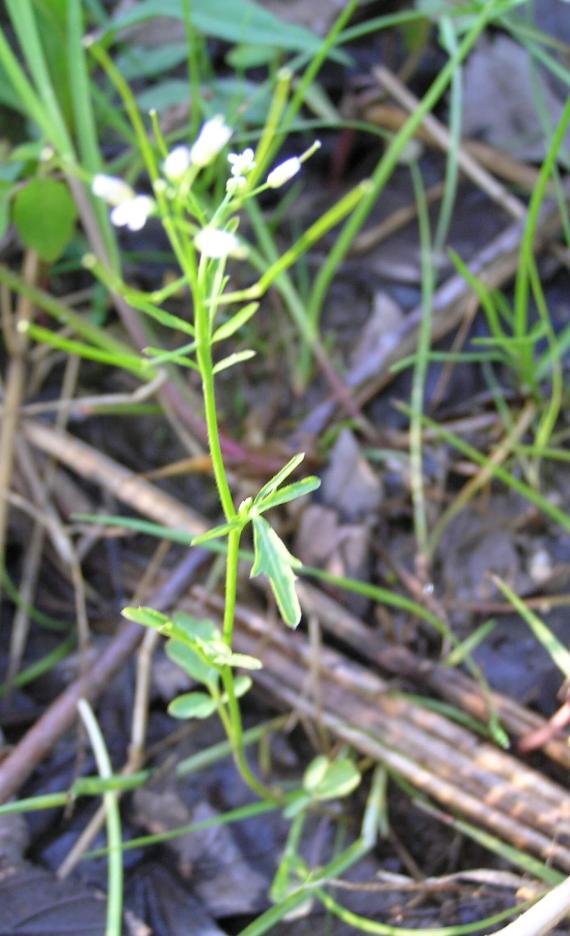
365,925
138,366
85,125
25,91
527,261
449,42
500,454
534,497
514,856
101,337
25,26
555,649
44,665
384,169
114,926
44,620
421,366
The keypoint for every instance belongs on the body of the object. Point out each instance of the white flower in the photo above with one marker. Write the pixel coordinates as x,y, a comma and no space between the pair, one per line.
242,163
112,190
177,163
133,213
235,185
210,141
217,244
129,209
283,172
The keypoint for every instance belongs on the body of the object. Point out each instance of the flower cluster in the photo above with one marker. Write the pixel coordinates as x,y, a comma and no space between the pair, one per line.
242,164
132,210
128,209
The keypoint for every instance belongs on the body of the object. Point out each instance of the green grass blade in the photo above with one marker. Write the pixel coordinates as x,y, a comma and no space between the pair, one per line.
555,649
100,337
421,365
85,125
135,365
114,925
25,26
25,91
41,666
449,40
386,166
364,924
534,497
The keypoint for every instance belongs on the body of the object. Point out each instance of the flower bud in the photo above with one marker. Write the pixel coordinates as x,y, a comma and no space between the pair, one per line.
210,141
283,172
217,244
177,163
235,185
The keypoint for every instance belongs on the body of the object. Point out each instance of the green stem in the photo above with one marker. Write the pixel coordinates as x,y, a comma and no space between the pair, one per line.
232,561
204,358
236,738
113,818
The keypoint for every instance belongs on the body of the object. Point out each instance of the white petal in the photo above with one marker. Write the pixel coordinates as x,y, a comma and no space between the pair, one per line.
177,163
217,244
140,210
133,213
242,163
120,215
111,189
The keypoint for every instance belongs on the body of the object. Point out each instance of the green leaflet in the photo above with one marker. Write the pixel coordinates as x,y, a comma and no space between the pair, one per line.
273,559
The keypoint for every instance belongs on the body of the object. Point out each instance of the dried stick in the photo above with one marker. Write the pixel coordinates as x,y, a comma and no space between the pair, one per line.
437,756
139,721
543,916
61,714
14,392
449,684
376,233
124,484
440,134
489,157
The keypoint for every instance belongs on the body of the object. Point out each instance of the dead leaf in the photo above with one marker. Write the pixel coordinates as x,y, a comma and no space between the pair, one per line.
500,99
349,483
223,879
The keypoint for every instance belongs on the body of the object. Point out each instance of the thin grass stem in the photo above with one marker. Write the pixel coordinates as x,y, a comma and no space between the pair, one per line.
114,926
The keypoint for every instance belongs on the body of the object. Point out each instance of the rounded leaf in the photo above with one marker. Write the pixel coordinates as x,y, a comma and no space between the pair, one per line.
44,213
187,659
242,685
192,705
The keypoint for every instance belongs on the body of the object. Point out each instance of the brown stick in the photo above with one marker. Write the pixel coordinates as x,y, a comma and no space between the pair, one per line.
494,265
442,137
14,393
61,714
450,684
120,481
438,757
